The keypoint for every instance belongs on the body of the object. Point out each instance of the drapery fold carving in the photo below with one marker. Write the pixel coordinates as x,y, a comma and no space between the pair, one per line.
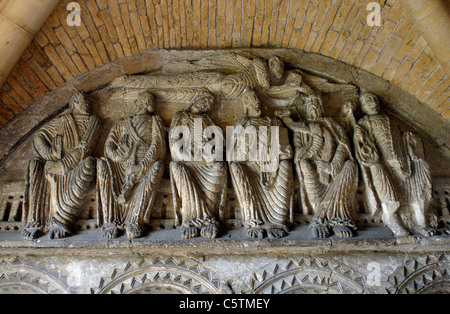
60,175
329,162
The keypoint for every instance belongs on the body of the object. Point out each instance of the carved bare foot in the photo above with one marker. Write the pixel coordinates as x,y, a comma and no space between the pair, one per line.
210,231
256,233
447,230
133,232
111,232
395,225
401,233
58,233
321,231
32,233
276,233
427,231
343,232
189,232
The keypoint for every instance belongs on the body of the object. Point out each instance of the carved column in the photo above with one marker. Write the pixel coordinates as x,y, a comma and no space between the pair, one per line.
20,20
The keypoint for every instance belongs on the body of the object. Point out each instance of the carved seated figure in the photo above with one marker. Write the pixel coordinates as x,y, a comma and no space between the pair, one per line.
397,179
59,177
130,174
199,179
264,189
326,169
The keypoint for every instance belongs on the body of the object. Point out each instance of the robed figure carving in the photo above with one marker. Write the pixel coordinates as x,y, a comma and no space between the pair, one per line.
228,75
130,174
397,179
59,177
198,175
326,170
262,177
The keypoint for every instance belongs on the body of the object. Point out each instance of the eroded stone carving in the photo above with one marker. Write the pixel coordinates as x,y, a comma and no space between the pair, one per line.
429,274
130,174
163,275
228,75
305,276
60,175
199,181
397,180
265,195
19,276
326,169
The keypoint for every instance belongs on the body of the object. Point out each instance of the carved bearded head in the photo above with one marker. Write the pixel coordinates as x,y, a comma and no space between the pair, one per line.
252,104
276,67
370,104
202,104
79,103
314,107
145,103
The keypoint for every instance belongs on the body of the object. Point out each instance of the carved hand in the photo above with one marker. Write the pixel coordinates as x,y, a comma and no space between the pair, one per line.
124,149
124,143
134,173
57,147
286,153
54,168
281,114
348,109
324,167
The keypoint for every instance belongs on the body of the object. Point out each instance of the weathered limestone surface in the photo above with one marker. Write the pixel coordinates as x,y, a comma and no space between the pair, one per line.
235,264
397,102
225,260
395,51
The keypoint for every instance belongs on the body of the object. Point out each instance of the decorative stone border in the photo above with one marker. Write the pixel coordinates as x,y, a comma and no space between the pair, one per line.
162,275
19,276
423,275
307,275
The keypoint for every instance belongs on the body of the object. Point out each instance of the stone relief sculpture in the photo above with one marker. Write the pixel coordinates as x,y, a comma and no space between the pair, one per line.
397,180
59,177
199,180
265,195
395,177
326,169
130,174
228,75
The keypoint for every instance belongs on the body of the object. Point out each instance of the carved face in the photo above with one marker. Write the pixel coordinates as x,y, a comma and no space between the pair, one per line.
79,103
276,66
146,102
203,104
369,104
252,105
313,108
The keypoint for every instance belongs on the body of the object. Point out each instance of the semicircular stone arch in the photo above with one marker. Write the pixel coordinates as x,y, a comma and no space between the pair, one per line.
307,275
428,274
19,277
162,275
